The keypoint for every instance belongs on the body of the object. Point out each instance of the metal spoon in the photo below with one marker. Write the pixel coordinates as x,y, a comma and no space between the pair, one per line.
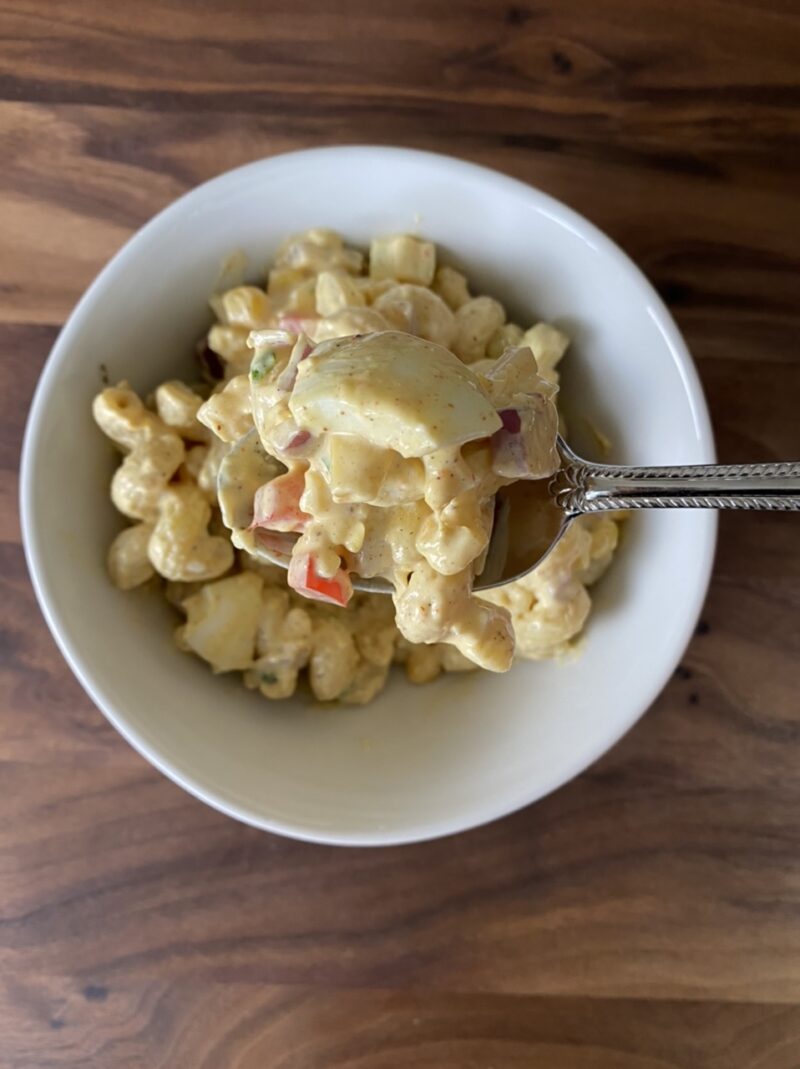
531,516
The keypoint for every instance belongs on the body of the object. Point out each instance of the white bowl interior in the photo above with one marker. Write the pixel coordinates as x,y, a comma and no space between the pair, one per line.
418,762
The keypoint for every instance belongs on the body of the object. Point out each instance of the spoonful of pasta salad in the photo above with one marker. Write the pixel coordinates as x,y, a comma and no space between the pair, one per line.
382,462
390,476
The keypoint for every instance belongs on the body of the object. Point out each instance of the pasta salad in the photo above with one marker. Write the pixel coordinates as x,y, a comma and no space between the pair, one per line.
414,497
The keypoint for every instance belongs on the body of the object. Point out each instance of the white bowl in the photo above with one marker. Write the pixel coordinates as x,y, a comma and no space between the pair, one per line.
419,762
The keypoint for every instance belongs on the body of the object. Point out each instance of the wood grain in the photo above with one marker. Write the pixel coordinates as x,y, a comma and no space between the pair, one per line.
161,1026
645,916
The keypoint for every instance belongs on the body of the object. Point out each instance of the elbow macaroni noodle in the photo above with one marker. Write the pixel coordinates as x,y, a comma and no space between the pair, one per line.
425,508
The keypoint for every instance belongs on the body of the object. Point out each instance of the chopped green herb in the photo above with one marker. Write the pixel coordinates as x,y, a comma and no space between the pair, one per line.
268,677
262,362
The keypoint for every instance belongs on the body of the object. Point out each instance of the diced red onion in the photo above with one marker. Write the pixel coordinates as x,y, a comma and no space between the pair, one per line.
512,421
288,376
299,439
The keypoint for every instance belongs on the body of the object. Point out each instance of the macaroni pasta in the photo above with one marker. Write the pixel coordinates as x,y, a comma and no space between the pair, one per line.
393,444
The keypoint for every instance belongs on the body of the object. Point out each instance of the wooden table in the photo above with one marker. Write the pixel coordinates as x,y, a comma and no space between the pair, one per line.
647,916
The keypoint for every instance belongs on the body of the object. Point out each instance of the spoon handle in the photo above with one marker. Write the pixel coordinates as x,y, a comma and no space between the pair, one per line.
583,487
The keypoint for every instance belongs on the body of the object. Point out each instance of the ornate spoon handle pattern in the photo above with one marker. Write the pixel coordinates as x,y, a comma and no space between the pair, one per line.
583,487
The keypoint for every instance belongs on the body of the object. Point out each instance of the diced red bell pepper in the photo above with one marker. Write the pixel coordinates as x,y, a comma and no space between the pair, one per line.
304,578
277,503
